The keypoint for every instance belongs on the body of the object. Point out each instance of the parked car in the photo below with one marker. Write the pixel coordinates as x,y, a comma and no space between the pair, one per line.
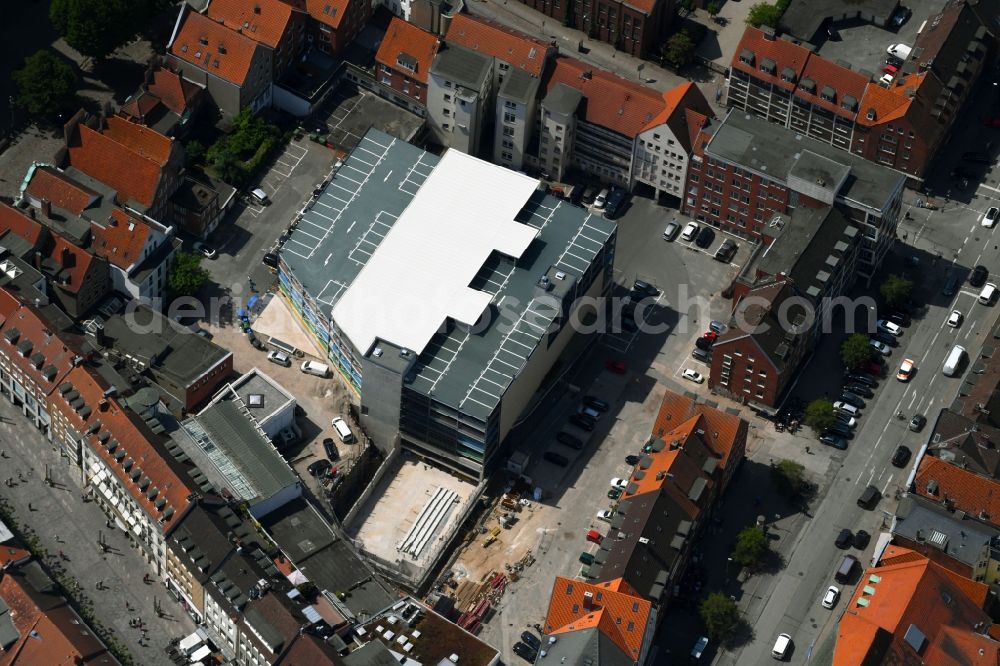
718,327
619,482
672,229
596,403
852,399
705,237
874,367
906,370
589,194
880,347
703,344
280,358
602,200
260,197
889,327
693,376
955,318
632,459
839,430
320,467
831,596
781,647
834,441
846,420
205,250
710,335
616,200
869,498
901,16
643,288
690,231
330,448
846,408
844,539
901,456
525,652
569,440
582,421
556,458
614,493
270,259
901,318
861,539
990,218
859,389
861,378
885,339
531,640
204,333
726,250
918,422
950,286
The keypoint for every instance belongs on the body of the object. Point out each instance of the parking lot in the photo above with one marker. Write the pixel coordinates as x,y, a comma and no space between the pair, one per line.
350,112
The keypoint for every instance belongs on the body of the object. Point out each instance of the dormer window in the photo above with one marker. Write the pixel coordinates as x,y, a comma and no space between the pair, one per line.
746,57
871,113
849,103
828,94
788,74
768,66
808,85
407,62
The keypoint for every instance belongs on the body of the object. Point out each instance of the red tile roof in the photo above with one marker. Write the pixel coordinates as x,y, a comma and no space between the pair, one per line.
611,101
198,41
175,92
616,611
517,49
889,104
919,593
12,555
844,82
264,21
327,12
406,39
49,634
120,243
722,430
61,191
173,488
125,156
57,351
11,219
782,52
960,489
55,249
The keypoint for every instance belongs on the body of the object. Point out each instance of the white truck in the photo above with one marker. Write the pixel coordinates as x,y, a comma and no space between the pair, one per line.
897,54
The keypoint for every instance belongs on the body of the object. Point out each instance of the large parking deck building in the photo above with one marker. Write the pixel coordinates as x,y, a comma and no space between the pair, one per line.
447,285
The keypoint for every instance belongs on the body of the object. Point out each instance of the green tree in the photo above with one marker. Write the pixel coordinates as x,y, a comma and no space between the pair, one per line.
186,276
820,414
764,14
96,28
855,351
45,84
895,289
194,153
713,9
789,476
720,615
679,49
751,547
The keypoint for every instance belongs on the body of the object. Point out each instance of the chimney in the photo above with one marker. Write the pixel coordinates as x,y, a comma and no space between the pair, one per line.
65,257
588,600
768,31
46,208
256,9
38,260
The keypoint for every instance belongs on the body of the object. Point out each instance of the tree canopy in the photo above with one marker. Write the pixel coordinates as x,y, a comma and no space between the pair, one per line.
764,14
789,477
855,351
678,49
895,289
96,28
820,415
186,276
751,547
720,615
45,84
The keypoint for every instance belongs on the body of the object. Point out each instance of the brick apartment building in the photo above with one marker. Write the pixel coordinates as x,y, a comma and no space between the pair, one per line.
900,125
635,27
271,23
404,60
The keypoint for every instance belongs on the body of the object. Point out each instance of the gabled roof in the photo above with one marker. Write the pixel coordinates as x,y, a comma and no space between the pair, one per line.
848,87
885,105
914,611
609,100
722,430
780,55
121,239
759,310
124,155
263,21
517,49
70,261
12,555
173,90
407,49
328,12
198,40
61,191
959,489
614,609
37,352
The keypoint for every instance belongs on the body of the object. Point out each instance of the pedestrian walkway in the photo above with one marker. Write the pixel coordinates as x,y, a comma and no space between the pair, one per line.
44,491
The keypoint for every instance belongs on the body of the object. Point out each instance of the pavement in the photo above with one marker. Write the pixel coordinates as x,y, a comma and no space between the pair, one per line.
63,522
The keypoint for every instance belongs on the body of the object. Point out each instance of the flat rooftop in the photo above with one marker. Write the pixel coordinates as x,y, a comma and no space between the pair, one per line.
803,18
404,500
520,234
261,394
781,154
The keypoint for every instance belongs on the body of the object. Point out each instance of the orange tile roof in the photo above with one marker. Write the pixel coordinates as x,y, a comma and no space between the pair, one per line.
890,104
12,555
124,159
198,41
611,101
616,611
58,351
671,103
404,38
920,593
174,91
783,52
517,49
53,634
696,122
963,490
172,485
328,12
844,81
120,243
264,21
61,191
721,429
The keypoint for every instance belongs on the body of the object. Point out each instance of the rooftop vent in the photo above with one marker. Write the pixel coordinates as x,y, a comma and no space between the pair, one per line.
377,352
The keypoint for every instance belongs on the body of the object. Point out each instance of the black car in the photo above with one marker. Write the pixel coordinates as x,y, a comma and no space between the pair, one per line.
596,403
525,652
726,250
861,539
844,539
976,157
839,430
632,459
330,448
615,202
834,441
555,458
951,286
270,259
862,378
705,237
320,467
918,422
569,440
703,344
859,389
582,421
900,318
978,276
641,288
531,640
885,338
852,399
576,196
901,456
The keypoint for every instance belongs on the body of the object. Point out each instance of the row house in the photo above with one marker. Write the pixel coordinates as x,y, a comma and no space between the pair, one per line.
166,102
275,25
744,180
635,27
334,24
900,124
404,60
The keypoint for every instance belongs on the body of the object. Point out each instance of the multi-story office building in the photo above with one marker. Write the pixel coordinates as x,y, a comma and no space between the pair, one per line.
443,293
459,95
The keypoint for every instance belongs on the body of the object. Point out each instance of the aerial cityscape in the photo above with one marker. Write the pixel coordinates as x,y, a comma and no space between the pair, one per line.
481,332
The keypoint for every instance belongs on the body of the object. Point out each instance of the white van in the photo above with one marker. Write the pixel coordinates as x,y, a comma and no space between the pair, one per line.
898,52
988,294
343,430
954,360
780,649
315,368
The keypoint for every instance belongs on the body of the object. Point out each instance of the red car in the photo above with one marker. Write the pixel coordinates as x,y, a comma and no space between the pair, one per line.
711,336
617,367
890,69
992,122
873,368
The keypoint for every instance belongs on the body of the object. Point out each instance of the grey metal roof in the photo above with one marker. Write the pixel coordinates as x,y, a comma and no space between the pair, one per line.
8,633
519,86
462,66
923,521
562,99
